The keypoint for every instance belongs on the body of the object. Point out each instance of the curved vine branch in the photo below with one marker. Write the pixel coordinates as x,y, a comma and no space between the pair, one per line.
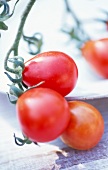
71,12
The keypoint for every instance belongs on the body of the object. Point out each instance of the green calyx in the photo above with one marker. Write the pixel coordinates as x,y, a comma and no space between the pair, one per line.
15,93
16,88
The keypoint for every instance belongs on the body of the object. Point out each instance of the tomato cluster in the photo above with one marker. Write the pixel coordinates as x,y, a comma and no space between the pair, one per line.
43,112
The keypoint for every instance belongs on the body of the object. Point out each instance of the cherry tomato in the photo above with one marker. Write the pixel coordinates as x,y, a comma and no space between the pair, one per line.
86,126
56,69
96,53
43,114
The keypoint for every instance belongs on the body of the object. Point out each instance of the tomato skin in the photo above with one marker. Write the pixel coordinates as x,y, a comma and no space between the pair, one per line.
58,71
43,114
96,54
86,126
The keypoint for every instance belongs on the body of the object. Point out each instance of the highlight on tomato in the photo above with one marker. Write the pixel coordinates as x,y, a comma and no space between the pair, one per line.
56,69
43,114
96,54
86,126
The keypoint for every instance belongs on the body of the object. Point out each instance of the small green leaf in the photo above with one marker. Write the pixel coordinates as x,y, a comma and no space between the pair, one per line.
3,26
14,80
28,142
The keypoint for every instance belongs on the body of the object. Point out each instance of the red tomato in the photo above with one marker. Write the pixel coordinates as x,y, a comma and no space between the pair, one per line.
96,53
86,126
58,71
43,114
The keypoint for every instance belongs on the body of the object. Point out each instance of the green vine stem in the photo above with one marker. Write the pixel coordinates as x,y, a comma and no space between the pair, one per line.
71,12
15,45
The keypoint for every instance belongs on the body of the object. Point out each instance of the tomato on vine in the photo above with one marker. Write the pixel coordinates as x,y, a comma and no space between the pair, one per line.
56,69
86,126
96,54
43,114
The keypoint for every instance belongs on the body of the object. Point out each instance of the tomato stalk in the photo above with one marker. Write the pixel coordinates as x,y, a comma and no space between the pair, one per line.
69,10
21,142
77,32
15,45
